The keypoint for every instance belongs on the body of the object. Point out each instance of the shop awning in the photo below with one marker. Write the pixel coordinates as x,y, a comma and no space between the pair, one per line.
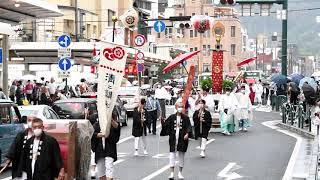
27,9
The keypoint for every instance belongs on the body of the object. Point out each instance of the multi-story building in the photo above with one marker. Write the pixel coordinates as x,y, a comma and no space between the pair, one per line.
191,40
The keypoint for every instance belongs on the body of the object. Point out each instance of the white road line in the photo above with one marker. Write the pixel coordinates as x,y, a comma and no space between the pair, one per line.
131,137
118,161
8,178
208,142
156,173
226,169
289,171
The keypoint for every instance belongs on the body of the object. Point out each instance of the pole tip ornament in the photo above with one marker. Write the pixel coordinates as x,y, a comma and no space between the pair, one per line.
130,18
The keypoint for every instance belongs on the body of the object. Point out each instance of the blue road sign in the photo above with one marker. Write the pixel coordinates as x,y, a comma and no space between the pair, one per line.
140,67
0,55
64,41
159,26
64,64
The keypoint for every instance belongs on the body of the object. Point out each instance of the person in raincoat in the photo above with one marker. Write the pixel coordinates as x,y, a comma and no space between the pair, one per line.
227,106
244,109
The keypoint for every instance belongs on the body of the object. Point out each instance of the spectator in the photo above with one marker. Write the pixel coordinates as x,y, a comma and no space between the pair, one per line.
28,90
12,91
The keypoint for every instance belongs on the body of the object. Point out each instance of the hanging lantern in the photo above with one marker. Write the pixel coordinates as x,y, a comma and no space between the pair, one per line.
202,23
130,18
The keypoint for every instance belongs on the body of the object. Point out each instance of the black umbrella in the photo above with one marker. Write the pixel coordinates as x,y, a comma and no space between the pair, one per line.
309,94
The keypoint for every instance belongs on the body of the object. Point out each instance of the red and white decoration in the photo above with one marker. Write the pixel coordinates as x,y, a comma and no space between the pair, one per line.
217,71
130,18
202,23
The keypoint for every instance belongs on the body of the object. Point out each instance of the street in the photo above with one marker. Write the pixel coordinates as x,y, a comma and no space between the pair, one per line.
261,153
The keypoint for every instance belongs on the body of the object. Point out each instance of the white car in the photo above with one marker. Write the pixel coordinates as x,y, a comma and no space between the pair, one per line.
43,112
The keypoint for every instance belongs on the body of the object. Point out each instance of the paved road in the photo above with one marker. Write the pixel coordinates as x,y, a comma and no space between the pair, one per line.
261,153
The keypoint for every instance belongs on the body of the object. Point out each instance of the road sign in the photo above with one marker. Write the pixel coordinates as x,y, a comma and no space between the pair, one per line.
64,41
140,61
64,64
139,40
0,55
64,74
140,55
140,67
159,26
64,52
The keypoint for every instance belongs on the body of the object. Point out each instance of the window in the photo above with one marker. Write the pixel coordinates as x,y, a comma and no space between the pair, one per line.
204,50
195,48
208,50
233,31
206,68
195,33
233,49
5,115
148,5
191,49
191,33
193,14
149,31
53,114
14,114
110,14
206,14
180,14
168,32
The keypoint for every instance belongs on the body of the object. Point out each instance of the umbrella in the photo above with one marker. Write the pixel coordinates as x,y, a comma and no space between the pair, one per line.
279,79
246,61
310,81
309,94
179,59
296,78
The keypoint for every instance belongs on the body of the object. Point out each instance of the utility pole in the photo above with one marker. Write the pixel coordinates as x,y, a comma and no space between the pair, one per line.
284,39
5,57
76,19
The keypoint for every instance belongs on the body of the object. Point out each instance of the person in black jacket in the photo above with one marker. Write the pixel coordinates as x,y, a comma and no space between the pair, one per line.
105,148
202,124
178,128
15,154
139,127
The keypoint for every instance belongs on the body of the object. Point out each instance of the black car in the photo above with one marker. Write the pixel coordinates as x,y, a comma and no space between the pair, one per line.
75,108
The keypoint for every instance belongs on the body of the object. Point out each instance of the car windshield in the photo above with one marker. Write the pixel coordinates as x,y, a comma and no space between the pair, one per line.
74,110
28,112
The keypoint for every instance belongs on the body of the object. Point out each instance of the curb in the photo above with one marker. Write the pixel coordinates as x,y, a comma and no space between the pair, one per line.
313,167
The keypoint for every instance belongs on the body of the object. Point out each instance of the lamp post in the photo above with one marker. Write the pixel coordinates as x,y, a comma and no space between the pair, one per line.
114,20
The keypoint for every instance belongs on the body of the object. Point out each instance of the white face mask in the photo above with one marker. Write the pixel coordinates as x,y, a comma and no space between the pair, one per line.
29,124
243,91
180,110
37,132
227,93
201,106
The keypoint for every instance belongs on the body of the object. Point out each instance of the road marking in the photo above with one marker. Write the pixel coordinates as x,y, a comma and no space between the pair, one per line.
208,142
131,137
161,156
225,173
156,173
289,171
118,161
8,178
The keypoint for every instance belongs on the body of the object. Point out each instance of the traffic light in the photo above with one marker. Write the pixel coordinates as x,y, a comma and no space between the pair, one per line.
227,2
184,25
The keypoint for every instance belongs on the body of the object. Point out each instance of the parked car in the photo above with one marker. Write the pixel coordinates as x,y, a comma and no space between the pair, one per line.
74,108
11,123
130,98
43,112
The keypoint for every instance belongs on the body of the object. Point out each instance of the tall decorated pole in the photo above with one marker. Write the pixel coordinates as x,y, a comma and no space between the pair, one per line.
217,58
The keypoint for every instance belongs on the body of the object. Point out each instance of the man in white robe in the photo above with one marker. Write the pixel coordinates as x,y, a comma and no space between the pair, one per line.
244,109
258,88
227,105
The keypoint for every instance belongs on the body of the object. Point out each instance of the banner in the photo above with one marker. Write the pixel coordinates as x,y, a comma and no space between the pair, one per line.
110,73
188,87
217,71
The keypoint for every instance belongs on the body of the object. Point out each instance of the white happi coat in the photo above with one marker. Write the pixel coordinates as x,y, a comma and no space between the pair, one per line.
244,106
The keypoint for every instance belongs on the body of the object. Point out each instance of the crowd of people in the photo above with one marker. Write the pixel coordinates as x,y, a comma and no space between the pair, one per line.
44,92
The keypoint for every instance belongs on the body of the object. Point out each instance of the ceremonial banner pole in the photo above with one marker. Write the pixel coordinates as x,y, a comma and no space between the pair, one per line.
217,71
188,87
110,73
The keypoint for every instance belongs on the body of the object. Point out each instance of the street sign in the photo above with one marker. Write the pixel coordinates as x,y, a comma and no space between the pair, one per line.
64,52
64,74
1,56
140,55
140,67
140,61
64,64
64,41
139,40
159,26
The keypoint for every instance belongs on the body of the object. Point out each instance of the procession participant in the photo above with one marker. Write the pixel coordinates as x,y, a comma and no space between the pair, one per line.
139,127
244,109
161,94
152,106
202,123
177,127
15,154
106,148
252,93
210,104
258,90
227,105
42,155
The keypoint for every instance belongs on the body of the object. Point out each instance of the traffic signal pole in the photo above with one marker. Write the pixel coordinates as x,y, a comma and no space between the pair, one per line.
284,54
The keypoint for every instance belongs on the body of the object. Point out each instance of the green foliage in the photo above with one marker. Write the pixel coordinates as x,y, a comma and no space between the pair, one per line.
227,83
169,74
206,84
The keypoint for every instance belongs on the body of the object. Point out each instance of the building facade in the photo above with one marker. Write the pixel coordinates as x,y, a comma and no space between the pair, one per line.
190,40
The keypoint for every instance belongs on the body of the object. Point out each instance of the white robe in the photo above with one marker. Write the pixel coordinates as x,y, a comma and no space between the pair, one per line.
244,106
209,102
228,102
